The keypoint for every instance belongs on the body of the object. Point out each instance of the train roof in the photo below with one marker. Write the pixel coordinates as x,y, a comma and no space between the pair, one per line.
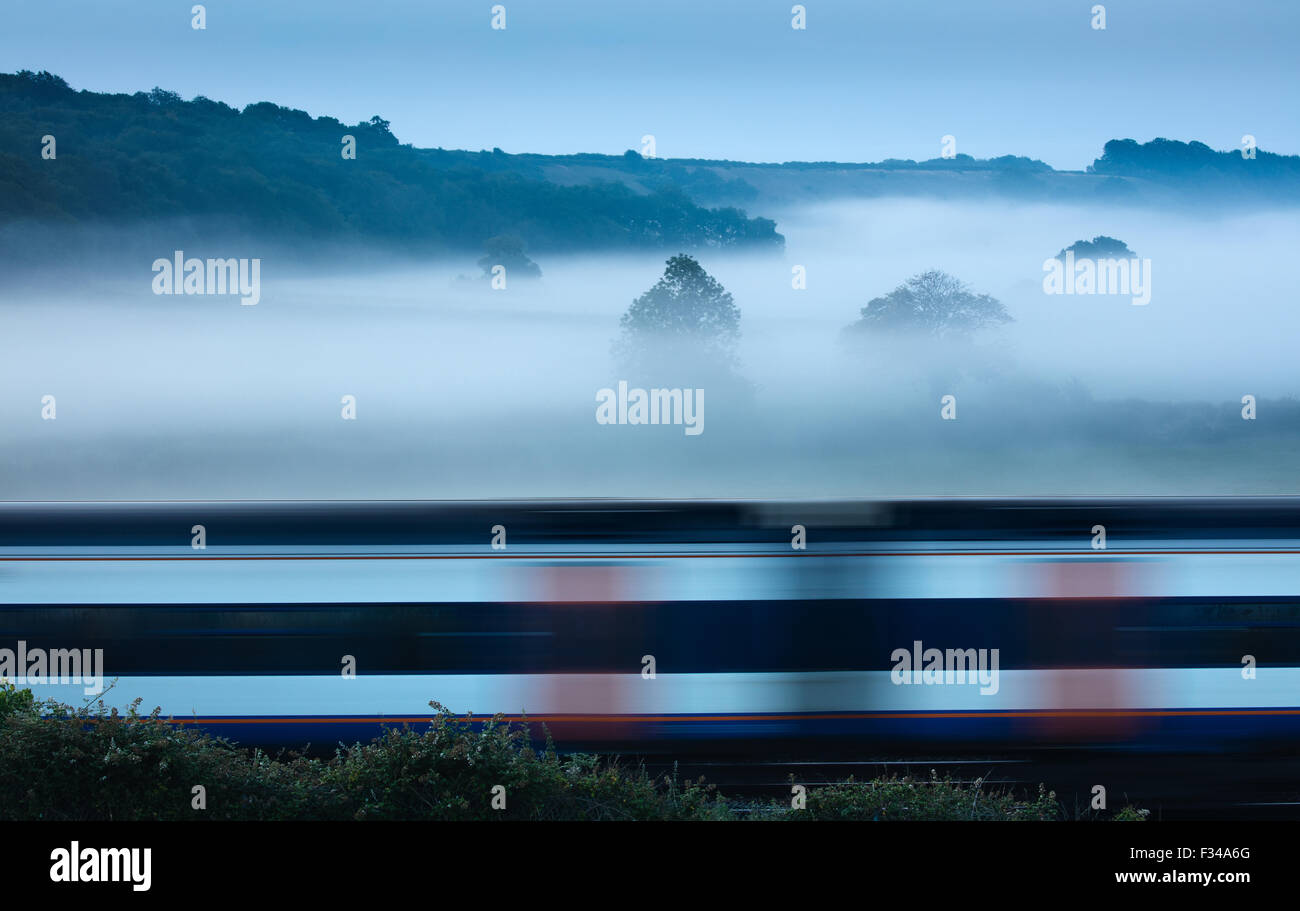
412,522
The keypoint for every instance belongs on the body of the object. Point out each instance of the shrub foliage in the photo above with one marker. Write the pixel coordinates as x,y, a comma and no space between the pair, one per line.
80,763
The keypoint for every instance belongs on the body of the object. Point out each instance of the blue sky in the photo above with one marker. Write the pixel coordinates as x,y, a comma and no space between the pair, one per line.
711,78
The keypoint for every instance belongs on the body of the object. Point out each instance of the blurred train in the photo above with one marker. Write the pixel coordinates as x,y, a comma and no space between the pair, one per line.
956,623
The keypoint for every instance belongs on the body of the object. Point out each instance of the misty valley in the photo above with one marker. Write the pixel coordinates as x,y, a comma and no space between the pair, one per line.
463,390
442,323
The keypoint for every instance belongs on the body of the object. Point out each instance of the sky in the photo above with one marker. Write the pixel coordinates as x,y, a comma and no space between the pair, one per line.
866,80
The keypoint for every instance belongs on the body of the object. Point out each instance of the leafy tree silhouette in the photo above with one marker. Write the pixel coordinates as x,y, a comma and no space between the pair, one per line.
508,250
1100,247
686,317
932,303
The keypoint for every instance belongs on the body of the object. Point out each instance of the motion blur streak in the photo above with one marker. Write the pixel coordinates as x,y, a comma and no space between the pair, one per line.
648,622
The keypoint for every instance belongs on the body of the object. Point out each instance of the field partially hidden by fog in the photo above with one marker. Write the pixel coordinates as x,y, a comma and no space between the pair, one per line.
462,391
